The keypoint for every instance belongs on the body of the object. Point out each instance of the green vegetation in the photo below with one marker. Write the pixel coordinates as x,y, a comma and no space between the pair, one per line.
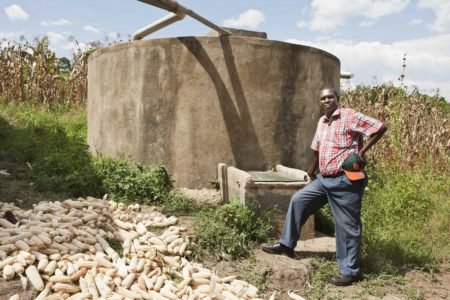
378,284
229,231
323,270
52,147
51,151
128,183
406,220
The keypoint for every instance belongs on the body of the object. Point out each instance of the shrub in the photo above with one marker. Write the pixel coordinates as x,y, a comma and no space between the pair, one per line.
125,182
175,202
404,220
229,231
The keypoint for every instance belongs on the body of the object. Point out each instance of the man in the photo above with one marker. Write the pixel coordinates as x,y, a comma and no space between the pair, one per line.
340,155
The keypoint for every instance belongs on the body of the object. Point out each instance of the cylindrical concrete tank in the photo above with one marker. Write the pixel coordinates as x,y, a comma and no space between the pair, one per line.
193,102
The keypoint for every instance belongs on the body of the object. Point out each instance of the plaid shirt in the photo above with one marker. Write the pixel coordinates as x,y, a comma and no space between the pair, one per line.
342,134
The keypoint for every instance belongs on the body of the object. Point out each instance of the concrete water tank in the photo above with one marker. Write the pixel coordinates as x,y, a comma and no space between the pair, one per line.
193,102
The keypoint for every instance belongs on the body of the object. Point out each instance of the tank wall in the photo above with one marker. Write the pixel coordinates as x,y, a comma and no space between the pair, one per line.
190,103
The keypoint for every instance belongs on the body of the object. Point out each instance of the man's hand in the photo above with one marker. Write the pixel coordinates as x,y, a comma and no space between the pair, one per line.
372,140
313,166
312,176
362,156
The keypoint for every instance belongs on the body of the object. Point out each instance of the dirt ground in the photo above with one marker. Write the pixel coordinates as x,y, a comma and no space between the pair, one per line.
274,274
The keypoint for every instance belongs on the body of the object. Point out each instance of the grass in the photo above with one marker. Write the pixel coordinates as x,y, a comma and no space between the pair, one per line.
231,230
51,145
405,220
375,285
131,183
251,273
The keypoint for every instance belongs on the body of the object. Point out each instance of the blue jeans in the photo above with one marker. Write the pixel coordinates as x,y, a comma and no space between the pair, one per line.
344,197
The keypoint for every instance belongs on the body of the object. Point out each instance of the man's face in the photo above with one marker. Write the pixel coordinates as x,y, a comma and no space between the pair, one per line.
328,100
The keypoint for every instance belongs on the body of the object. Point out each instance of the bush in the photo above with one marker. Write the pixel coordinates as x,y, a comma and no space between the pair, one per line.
405,217
128,183
175,202
229,231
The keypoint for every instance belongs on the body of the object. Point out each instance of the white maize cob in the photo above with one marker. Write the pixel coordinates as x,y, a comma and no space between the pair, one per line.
34,277
66,288
127,293
8,272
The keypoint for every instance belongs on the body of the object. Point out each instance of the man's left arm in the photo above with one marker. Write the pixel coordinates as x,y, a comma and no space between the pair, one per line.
373,139
370,127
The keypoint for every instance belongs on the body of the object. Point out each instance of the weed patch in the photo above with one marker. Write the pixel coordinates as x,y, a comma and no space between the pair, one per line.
323,270
229,231
175,202
404,220
132,183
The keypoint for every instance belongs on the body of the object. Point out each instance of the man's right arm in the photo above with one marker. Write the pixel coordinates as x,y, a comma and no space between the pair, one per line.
313,166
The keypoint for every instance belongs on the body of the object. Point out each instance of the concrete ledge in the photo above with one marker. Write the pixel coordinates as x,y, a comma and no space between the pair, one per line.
239,184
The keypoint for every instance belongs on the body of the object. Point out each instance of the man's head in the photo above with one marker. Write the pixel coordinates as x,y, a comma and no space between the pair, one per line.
329,100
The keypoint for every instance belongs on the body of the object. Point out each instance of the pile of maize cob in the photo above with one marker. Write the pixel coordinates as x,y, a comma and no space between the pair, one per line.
62,249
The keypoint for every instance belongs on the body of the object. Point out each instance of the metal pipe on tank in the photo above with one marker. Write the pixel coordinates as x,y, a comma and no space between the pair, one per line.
155,26
175,7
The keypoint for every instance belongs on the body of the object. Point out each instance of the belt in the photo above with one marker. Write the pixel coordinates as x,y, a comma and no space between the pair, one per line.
334,175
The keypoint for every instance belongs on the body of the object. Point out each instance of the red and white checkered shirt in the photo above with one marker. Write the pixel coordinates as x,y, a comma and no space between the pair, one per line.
339,136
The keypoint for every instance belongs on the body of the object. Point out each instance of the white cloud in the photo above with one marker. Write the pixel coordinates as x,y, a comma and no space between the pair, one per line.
251,18
63,43
55,39
301,24
7,38
11,36
16,13
75,46
91,29
114,35
441,9
415,22
59,22
427,61
329,15
366,24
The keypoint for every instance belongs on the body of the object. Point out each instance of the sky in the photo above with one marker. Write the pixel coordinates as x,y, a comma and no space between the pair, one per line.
370,37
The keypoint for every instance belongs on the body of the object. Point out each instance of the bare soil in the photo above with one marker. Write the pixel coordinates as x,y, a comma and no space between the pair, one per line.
273,274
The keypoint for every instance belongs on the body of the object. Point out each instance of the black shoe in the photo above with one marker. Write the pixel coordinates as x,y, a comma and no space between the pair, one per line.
278,249
344,280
